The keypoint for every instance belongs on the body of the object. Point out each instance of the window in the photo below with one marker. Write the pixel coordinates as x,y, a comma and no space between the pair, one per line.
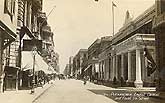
9,7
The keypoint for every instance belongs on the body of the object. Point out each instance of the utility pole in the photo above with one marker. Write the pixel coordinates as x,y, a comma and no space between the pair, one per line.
113,21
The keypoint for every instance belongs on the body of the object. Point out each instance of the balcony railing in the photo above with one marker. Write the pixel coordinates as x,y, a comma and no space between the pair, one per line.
47,29
42,17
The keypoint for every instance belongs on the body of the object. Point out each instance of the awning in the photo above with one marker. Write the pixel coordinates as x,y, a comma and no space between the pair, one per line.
26,30
7,35
40,64
10,33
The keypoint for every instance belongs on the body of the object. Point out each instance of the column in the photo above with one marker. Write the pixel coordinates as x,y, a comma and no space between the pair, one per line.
138,82
99,74
17,85
103,70
110,67
107,68
129,66
1,67
122,66
113,70
116,70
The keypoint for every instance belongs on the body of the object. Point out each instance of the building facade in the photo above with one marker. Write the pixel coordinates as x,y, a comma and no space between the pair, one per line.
104,72
67,70
78,63
71,66
91,69
120,59
28,31
23,25
8,24
48,47
159,29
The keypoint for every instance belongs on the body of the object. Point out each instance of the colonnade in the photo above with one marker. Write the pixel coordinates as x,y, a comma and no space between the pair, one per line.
123,65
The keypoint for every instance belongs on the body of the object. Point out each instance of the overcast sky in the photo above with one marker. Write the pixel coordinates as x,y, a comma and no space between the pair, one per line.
77,23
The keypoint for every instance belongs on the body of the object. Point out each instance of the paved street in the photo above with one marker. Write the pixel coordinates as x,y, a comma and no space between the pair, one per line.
73,91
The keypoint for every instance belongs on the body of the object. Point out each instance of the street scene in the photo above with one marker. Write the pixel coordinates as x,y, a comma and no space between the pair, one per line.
82,51
73,91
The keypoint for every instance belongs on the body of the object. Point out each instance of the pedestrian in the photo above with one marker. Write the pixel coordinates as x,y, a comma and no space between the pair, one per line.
85,80
122,81
40,82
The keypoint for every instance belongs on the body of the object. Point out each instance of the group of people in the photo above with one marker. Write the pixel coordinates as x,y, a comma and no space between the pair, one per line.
115,82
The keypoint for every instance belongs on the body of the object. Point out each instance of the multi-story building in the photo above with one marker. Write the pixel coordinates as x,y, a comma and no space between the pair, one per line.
78,63
8,23
96,58
30,23
71,65
38,34
28,30
122,59
23,25
67,70
103,73
46,35
93,61
130,65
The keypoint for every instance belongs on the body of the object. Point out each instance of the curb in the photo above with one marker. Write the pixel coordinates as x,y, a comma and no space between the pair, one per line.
41,94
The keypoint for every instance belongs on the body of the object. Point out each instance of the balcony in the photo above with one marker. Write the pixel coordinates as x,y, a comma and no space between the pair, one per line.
42,17
46,29
48,42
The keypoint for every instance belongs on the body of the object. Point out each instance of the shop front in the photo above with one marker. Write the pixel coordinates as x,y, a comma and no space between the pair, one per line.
11,78
6,38
41,69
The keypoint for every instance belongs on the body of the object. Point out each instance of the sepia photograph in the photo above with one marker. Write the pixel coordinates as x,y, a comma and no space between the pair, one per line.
82,51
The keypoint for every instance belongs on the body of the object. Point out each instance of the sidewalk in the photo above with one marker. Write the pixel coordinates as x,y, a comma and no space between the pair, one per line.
92,85
24,96
139,89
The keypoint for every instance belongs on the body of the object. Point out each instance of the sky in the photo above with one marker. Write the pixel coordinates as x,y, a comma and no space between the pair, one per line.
78,23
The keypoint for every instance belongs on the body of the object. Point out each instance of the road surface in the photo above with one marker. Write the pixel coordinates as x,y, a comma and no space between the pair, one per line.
71,91
74,91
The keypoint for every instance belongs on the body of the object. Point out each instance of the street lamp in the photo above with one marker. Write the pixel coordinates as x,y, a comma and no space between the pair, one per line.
34,52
